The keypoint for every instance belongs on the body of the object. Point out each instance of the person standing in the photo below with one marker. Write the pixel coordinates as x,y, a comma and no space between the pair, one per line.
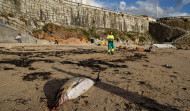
110,39
19,38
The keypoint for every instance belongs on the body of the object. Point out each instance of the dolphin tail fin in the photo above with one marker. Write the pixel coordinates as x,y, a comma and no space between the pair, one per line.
98,78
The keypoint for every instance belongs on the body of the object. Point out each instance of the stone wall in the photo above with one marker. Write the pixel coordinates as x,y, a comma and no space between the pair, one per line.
73,14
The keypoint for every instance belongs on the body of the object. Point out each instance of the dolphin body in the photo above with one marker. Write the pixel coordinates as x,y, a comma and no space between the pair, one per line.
72,89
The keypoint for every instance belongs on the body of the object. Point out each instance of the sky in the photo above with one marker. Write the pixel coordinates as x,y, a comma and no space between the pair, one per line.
153,8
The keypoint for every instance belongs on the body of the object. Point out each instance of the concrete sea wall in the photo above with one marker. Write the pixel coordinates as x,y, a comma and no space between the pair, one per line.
73,14
8,35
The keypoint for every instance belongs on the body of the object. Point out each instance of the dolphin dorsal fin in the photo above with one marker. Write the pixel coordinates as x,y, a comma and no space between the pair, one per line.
98,77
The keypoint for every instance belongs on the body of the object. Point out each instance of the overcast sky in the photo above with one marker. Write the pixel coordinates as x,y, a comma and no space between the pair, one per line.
153,8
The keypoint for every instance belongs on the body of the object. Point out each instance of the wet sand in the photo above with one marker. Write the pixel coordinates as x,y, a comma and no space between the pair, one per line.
130,81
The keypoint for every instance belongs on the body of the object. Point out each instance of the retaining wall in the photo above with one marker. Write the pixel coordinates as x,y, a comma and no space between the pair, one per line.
8,35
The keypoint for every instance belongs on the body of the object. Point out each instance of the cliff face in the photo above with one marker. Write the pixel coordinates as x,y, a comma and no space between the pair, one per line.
34,12
164,33
183,22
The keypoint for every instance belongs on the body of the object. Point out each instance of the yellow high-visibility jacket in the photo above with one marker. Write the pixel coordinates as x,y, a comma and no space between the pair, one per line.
110,37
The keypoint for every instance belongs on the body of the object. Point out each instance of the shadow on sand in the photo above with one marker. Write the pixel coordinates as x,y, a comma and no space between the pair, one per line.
51,88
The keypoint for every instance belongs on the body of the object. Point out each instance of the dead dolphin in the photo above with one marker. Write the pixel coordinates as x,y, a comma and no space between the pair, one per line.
72,89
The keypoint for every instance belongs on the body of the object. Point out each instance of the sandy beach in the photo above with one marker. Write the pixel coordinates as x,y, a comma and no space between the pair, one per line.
130,80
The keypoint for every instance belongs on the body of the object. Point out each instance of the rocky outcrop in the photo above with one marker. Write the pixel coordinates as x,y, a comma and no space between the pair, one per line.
58,35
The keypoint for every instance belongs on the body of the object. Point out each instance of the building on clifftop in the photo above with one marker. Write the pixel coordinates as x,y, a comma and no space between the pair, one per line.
150,19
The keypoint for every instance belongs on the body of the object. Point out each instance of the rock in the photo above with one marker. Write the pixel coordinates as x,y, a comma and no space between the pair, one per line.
56,34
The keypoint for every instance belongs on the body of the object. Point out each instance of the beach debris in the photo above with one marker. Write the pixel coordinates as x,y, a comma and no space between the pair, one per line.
116,70
129,73
167,66
123,78
178,99
72,89
80,67
31,68
145,65
99,45
173,76
184,88
142,82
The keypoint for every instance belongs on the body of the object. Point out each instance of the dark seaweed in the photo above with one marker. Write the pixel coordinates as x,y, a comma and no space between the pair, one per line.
23,62
36,75
95,64
7,68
